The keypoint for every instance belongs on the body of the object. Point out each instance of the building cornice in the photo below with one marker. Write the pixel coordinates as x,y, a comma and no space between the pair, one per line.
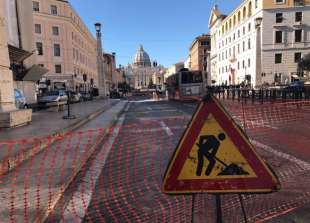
61,18
230,15
200,38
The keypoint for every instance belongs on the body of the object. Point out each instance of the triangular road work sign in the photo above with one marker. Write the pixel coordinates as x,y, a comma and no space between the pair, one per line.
214,155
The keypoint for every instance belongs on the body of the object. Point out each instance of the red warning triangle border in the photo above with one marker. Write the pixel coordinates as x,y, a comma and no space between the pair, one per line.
265,182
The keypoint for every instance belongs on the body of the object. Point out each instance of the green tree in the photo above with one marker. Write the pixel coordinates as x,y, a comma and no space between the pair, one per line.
304,64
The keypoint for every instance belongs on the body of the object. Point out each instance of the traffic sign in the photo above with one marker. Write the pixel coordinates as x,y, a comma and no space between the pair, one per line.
214,155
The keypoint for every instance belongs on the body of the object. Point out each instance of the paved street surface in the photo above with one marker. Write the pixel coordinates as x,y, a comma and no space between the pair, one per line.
18,144
30,191
120,169
128,188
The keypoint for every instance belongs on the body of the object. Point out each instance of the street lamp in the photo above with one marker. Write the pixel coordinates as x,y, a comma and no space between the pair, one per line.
258,22
100,68
98,27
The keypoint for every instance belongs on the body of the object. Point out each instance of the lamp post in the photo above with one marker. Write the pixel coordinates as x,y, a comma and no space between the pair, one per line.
245,76
258,78
69,94
100,68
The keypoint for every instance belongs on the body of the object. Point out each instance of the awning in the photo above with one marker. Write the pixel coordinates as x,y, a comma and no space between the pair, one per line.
18,55
35,73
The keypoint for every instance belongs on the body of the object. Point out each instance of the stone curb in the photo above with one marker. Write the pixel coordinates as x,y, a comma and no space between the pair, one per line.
10,163
45,217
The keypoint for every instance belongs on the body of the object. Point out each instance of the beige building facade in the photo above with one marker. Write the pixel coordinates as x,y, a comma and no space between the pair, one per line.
114,76
9,115
64,45
260,42
109,70
174,69
21,46
199,54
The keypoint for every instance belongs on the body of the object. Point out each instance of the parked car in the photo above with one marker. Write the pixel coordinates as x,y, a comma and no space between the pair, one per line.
86,96
114,94
295,86
53,98
75,97
20,100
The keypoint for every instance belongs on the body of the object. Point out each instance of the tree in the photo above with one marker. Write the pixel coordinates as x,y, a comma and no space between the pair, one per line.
304,64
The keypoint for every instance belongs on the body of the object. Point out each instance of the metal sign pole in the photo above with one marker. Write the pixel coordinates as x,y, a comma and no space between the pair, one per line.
69,116
219,218
243,209
68,102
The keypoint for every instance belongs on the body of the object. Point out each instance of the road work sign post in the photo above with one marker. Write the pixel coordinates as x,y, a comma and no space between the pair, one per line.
215,156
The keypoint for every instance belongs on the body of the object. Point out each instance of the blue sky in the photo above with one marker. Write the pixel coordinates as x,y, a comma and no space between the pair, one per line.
166,28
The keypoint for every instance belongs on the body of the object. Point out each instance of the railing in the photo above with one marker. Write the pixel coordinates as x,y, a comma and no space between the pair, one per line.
261,95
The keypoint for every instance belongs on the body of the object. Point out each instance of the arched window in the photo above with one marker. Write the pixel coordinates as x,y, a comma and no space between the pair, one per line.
230,24
239,16
244,13
234,20
250,9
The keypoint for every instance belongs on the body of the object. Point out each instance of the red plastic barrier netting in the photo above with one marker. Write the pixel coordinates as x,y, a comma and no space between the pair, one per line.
122,179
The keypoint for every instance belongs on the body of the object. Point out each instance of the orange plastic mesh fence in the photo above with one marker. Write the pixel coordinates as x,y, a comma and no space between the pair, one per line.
115,175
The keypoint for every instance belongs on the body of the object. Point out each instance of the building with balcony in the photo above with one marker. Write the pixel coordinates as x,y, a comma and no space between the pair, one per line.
64,45
260,42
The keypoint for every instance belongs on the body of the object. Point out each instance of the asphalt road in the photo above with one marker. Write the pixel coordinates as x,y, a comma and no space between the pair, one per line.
128,188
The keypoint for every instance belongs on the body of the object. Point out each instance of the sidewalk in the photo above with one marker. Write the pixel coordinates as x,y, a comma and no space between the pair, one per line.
19,144
50,122
30,191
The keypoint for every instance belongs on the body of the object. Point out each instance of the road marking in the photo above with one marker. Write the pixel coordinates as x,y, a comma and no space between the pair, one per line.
145,130
150,110
127,107
185,117
303,165
190,105
166,128
149,100
78,204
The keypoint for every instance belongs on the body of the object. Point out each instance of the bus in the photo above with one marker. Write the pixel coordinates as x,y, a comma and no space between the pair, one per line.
185,85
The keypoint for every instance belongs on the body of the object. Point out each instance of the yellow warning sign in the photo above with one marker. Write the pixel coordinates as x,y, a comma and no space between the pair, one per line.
214,155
